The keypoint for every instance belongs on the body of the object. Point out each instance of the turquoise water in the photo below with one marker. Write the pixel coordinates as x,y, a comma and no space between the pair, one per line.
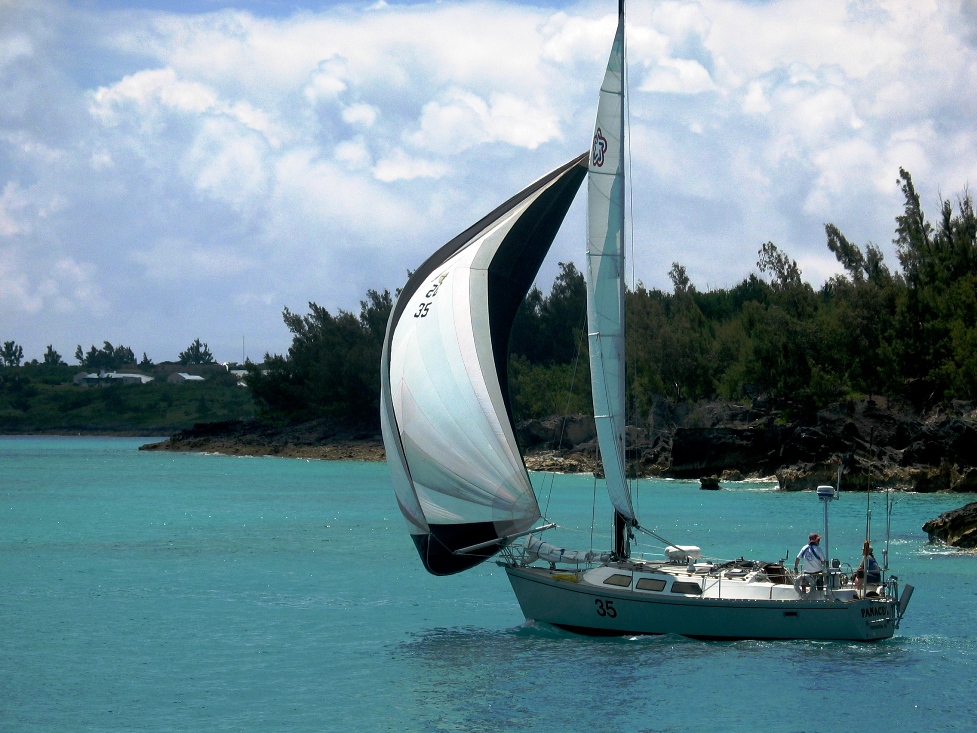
169,592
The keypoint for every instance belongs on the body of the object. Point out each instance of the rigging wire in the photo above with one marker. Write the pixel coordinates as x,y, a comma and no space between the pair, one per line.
593,514
657,536
566,409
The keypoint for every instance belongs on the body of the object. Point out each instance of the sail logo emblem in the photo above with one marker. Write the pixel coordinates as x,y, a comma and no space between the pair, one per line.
600,148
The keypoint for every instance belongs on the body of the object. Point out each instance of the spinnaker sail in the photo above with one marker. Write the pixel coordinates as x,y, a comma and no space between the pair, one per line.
445,413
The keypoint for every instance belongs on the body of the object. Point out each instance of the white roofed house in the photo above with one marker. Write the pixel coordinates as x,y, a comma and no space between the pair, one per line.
183,377
127,378
104,379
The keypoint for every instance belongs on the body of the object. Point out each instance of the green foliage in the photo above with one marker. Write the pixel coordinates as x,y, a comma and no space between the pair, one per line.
538,390
52,357
196,353
332,367
867,331
43,397
107,358
547,330
12,354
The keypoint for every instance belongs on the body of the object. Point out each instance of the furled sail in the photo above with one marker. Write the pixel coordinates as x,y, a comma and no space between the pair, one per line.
605,275
447,422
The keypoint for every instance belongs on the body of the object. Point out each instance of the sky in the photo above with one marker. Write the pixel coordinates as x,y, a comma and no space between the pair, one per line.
173,170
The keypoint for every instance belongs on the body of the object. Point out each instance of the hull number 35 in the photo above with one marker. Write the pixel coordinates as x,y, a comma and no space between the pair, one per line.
605,608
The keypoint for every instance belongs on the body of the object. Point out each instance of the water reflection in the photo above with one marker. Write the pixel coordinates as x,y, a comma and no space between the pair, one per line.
538,676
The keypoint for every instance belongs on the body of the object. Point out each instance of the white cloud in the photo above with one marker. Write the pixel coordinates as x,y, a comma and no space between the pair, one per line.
571,38
227,162
361,114
145,91
399,166
14,47
309,156
13,204
326,83
461,120
178,259
678,76
354,153
49,289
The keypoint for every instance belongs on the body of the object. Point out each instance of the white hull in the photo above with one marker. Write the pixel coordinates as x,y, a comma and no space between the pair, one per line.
587,607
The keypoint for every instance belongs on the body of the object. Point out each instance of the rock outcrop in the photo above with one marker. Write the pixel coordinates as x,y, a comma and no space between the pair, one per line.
319,439
878,444
957,527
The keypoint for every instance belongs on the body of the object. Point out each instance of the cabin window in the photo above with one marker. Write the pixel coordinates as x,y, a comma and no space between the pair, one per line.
650,584
691,588
622,580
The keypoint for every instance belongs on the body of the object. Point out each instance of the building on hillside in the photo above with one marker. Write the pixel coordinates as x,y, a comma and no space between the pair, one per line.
105,379
183,377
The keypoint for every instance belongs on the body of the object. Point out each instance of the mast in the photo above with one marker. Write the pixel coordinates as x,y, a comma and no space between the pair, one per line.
605,285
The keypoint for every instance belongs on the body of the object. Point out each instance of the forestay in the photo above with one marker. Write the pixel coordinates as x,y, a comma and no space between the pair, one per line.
447,423
605,275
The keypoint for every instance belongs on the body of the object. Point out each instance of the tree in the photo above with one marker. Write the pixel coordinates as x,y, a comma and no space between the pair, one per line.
52,357
197,353
107,358
332,367
786,274
562,315
146,362
12,354
680,279
937,316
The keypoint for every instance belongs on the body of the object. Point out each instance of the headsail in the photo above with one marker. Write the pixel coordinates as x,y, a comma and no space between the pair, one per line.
605,275
447,422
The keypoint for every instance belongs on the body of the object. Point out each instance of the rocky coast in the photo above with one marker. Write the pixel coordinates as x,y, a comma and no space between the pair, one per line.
878,443
316,439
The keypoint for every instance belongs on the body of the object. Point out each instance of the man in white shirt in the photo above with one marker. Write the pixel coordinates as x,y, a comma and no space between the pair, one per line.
812,555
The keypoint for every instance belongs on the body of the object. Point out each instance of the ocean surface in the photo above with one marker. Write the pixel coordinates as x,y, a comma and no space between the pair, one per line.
177,592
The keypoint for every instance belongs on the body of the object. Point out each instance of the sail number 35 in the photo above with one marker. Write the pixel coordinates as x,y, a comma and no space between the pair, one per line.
424,308
605,608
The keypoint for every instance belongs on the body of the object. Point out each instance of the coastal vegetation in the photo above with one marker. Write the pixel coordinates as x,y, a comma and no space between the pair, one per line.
43,398
47,396
908,333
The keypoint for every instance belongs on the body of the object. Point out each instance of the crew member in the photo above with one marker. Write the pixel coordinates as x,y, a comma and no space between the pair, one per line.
871,564
812,555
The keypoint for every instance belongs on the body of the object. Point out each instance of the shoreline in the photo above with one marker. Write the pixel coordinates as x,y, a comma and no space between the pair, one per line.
75,433
339,450
873,442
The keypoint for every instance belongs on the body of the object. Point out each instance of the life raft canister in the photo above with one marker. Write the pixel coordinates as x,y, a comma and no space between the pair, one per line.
804,584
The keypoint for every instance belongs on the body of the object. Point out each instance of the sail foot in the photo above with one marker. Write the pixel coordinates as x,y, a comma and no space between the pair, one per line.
437,549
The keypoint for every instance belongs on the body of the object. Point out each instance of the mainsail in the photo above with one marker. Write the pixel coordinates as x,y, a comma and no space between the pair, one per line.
447,422
605,276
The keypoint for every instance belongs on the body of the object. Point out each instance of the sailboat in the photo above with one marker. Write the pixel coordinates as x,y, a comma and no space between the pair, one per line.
457,472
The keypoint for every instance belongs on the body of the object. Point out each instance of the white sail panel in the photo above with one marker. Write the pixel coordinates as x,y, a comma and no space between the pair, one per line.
463,461
605,276
456,468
